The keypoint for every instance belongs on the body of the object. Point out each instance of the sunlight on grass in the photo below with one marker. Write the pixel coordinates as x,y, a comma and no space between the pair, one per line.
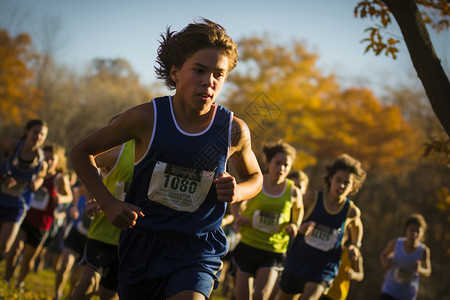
39,286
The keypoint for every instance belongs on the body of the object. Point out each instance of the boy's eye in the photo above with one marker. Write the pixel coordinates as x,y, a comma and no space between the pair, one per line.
219,75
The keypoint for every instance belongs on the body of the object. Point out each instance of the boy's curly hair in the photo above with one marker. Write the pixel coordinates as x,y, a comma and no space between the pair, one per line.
417,219
346,163
176,47
271,150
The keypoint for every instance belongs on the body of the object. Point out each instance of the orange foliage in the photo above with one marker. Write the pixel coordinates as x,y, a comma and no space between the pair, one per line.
356,123
281,94
436,13
19,97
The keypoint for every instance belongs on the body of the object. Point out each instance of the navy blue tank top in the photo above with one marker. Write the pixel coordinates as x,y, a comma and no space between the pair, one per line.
172,183
318,256
23,173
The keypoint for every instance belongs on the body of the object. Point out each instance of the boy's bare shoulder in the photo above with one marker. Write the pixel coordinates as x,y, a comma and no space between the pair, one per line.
138,116
309,197
355,212
142,110
240,133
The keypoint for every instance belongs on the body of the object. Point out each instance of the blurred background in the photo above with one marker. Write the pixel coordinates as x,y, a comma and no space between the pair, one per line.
303,76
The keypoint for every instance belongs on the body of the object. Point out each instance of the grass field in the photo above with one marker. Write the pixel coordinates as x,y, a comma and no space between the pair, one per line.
39,286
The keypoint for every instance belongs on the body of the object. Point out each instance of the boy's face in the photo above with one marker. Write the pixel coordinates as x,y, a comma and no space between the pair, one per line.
414,232
37,135
341,183
279,166
200,79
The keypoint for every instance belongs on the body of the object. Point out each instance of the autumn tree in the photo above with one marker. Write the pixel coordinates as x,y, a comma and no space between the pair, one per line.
19,96
113,83
107,88
411,16
281,94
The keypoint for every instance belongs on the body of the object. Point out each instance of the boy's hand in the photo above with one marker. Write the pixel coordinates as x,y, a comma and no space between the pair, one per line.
241,221
92,208
353,252
226,188
9,182
417,265
306,228
291,230
121,214
74,213
351,274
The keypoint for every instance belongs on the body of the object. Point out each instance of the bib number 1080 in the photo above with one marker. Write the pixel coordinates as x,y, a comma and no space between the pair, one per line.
181,184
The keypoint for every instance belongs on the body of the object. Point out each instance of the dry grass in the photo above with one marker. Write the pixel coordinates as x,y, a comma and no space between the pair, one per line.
39,286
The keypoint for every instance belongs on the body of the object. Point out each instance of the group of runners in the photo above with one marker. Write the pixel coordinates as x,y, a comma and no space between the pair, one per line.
147,220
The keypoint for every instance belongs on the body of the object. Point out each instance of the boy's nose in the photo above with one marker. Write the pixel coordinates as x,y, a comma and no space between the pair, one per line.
209,80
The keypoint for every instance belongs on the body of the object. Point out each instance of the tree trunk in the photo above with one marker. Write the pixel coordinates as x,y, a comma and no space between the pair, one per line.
424,58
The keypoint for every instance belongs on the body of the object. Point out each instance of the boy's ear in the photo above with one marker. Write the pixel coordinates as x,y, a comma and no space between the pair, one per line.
174,74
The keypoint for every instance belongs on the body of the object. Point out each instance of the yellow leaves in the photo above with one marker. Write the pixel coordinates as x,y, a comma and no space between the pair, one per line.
392,41
436,13
20,97
378,45
443,197
439,147
313,113
373,9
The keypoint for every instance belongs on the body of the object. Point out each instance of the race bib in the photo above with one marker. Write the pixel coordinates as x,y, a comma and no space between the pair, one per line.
179,188
403,276
322,237
16,190
40,199
121,190
267,221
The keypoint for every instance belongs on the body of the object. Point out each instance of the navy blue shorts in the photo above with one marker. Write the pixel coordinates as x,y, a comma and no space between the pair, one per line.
159,265
12,214
249,259
292,284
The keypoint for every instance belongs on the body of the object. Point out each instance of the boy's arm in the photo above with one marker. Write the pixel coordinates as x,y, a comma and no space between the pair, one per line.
236,210
387,254
73,211
37,183
132,124
297,207
424,267
297,213
356,232
356,272
64,192
246,166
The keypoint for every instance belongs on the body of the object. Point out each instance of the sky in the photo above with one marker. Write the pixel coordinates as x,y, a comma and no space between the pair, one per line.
109,29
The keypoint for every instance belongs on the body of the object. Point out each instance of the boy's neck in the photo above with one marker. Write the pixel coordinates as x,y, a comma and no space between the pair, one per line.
28,152
192,121
410,246
333,203
273,186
